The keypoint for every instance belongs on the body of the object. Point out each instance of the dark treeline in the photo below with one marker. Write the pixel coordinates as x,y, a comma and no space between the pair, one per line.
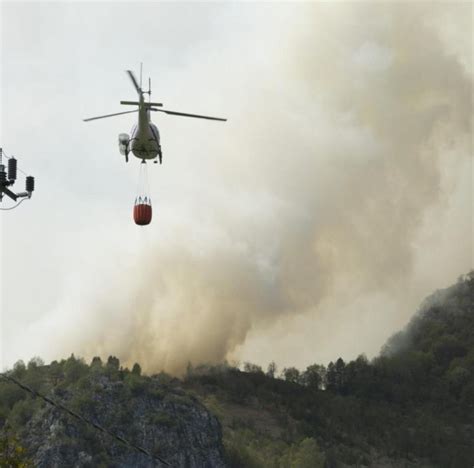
431,360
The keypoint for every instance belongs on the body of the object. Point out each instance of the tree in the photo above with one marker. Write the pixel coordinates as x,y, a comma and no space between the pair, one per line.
189,369
308,455
447,348
335,376
457,378
356,375
56,373
291,374
136,370
113,363
271,370
331,377
96,361
19,369
74,369
314,376
35,362
252,368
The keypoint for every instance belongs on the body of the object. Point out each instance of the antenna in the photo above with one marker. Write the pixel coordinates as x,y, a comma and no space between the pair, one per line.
149,89
141,72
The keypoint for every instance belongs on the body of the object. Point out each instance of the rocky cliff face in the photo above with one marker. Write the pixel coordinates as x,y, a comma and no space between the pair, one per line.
164,420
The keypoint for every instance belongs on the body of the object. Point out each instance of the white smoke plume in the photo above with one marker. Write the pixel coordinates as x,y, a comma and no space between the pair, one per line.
348,126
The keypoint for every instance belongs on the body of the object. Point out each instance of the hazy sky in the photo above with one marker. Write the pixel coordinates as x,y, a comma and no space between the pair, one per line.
307,227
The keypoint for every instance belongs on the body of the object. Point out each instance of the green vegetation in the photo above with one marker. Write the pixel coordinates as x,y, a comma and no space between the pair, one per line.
12,454
106,394
243,449
412,405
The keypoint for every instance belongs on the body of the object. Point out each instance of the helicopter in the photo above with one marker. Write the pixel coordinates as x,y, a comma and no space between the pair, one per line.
144,142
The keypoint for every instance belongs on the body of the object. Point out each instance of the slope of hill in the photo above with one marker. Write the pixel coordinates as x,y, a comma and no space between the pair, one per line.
412,406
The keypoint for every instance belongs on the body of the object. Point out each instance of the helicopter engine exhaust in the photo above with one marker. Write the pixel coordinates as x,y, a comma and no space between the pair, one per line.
124,140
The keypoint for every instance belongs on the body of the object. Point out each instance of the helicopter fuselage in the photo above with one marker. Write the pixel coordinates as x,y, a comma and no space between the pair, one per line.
144,141
145,138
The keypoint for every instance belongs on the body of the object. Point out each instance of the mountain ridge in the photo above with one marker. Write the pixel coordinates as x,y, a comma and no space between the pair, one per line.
413,406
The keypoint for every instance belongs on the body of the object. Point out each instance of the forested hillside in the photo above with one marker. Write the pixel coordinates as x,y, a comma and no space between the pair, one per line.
411,406
151,412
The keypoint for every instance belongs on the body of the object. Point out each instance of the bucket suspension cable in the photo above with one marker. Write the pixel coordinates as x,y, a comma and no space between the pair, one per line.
143,188
142,211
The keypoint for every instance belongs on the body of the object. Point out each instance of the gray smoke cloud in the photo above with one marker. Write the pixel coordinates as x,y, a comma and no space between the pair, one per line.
353,117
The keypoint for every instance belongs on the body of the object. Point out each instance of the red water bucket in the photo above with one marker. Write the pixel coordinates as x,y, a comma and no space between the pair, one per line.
142,211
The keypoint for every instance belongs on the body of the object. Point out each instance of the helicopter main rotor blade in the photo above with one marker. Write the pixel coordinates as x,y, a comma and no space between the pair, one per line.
134,81
182,114
109,115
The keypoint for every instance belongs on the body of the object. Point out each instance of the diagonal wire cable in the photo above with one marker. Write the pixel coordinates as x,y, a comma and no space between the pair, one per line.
14,206
79,417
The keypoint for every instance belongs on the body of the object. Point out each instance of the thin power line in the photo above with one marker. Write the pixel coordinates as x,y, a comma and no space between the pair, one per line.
14,206
83,419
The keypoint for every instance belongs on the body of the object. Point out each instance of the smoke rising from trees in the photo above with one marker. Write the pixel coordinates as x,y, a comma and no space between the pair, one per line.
345,122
